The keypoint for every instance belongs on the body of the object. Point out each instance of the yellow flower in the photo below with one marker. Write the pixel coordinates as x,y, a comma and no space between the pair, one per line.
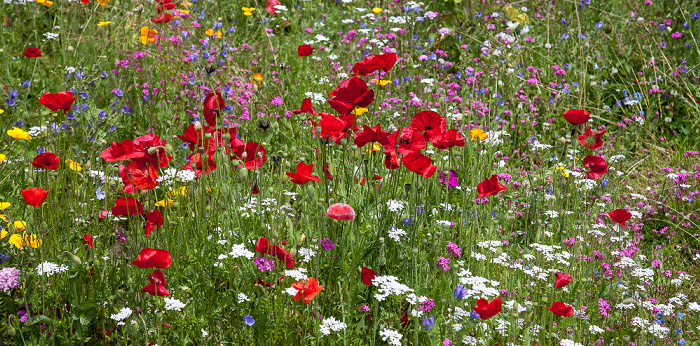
210,32
18,133
103,23
374,147
46,3
178,192
382,82
32,240
377,10
17,241
186,4
477,133
248,10
103,2
147,36
359,111
4,205
3,157
3,234
2,216
257,77
2,111
161,203
74,165
20,225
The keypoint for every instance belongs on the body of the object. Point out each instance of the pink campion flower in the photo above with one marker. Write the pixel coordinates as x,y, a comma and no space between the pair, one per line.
453,249
676,35
443,262
604,306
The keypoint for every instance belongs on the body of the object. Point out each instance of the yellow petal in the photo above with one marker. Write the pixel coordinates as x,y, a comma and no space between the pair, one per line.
103,23
161,203
17,241
20,225
3,234
4,205
359,111
3,157
376,10
144,31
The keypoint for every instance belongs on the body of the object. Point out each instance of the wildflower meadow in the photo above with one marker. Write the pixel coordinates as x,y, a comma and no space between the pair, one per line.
350,172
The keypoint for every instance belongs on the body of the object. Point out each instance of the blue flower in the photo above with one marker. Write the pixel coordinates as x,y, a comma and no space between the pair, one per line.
101,114
474,315
429,322
604,182
100,194
599,25
564,36
460,292
249,320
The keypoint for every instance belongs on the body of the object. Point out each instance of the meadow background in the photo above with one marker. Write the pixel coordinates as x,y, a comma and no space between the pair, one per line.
241,248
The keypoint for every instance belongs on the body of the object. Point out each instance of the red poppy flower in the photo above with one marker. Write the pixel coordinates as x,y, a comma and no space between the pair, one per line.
562,279
140,174
367,276
55,101
34,196
364,179
195,159
162,19
576,116
490,186
270,8
341,211
119,151
154,219
255,190
103,214
375,62
419,163
197,139
263,246
84,1
430,122
351,93
391,159
303,174
591,143
409,140
305,50
235,145
597,166
487,309
562,310
306,289
151,148
306,107
88,241
32,52
127,206
448,139
213,103
371,134
255,155
46,161
157,285
165,4
620,216
153,258
332,128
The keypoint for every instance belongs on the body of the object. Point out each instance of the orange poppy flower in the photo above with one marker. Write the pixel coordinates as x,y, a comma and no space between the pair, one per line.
307,289
147,35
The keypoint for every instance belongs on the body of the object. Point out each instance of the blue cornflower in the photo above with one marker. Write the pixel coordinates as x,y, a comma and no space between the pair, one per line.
99,194
5,256
101,114
599,25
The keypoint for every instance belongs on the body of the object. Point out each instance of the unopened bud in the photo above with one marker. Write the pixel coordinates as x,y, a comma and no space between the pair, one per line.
76,259
207,135
152,150
197,126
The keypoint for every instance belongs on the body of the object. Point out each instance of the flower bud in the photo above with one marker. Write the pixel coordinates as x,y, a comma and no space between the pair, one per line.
343,142
152,150
76,259
197,126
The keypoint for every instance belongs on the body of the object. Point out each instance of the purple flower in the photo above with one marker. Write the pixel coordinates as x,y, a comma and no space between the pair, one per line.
427,305
442,263
9,278
264,263
249,320
327,244
453,249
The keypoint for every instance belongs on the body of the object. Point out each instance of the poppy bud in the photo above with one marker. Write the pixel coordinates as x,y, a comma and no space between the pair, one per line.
318,129
235,162
381,240
168,148
30,181
76,259
244,155
626,338
96,262
628,301
176,204
152,150
197,126
293,252
271,189
87,165
499,251
207,135
414,250
343,142
70,48
353,147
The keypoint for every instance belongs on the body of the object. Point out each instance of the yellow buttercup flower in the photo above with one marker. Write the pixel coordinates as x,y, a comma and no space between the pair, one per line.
18,133
103,23
377,10
382,82
46,3
20,225
147,35
359,111
477,133
17,241
3,157
248,10
4,205
563,171
161,203
74,165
